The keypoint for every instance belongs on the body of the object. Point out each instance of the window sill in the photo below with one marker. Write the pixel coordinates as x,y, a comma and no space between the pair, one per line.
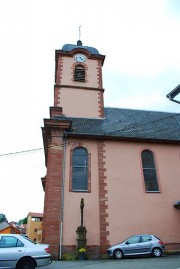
80,191
153,192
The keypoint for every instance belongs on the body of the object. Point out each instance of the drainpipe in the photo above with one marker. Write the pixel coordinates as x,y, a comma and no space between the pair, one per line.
62,194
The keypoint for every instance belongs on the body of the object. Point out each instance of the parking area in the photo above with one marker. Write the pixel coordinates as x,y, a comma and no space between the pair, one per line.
166,262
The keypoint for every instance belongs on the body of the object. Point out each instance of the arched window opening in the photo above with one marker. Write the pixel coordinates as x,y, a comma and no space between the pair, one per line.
79,73
149,171
80,169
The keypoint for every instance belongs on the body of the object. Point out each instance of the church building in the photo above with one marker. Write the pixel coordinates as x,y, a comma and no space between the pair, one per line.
123,163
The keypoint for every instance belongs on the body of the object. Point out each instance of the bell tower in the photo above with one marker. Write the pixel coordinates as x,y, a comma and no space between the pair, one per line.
78,81
78,92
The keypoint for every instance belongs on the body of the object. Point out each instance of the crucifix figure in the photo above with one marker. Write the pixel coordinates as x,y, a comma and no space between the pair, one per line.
81,207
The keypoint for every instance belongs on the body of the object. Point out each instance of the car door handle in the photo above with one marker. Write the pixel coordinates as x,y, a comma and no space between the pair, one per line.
19,250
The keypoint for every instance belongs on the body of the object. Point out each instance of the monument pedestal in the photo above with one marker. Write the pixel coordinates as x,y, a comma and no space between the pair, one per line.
81,237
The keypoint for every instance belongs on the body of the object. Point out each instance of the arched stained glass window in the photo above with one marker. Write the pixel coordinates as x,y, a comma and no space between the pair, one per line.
149,171
80,169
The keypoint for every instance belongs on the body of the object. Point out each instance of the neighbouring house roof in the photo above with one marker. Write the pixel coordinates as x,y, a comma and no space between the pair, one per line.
35,215
13,223
128,124
4,225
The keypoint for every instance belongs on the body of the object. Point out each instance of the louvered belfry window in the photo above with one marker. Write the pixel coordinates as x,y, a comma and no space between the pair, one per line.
149,171
80,169
79,73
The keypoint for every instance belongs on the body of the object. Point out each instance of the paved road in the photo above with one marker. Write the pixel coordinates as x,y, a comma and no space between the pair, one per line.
167,262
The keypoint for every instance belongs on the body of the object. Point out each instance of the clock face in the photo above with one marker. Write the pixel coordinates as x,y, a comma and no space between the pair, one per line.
80,58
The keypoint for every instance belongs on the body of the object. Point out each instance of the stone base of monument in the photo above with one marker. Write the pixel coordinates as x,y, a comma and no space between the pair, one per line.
81,242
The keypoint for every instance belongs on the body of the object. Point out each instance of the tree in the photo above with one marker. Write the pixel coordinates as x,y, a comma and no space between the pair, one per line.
22,221
3,217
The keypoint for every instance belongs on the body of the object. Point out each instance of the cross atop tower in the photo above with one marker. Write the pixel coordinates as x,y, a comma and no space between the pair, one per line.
80,32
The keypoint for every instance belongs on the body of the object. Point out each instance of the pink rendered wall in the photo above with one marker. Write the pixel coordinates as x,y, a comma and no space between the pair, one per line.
79,102
131,209
82,99
72,202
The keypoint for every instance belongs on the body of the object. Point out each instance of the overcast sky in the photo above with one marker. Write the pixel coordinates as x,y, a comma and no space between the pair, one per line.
141,41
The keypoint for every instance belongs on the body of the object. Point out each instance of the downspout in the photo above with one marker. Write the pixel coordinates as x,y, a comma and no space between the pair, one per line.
62,194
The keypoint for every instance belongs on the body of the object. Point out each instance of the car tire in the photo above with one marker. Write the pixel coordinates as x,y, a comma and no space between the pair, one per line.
157,252
26,263
118,254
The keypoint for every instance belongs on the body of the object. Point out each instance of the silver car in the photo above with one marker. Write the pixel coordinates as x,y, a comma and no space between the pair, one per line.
137,245
19,252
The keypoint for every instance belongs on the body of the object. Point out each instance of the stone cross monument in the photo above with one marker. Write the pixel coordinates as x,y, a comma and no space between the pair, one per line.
81,230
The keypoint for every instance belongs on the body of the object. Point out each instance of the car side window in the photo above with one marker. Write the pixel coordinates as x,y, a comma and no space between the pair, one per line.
10,241
19,243
146,238
2,242
134,240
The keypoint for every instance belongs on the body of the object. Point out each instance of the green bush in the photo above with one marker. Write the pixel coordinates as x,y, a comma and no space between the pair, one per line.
68,257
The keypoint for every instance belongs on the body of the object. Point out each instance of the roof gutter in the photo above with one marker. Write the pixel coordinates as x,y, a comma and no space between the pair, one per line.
173,94
101,136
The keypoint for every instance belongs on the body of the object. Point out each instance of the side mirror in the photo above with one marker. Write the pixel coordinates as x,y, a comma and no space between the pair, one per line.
127,243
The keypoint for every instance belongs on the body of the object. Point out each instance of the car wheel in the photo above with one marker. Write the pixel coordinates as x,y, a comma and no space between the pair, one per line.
26,263
118,254
156,252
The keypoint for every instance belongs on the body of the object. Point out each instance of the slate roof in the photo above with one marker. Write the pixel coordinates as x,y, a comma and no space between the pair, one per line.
69,47
129,124
4,225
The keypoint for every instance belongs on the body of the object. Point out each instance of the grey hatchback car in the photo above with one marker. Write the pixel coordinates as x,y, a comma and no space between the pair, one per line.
137,245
